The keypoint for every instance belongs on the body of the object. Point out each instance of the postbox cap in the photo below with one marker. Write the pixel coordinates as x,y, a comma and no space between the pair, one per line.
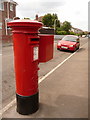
24,22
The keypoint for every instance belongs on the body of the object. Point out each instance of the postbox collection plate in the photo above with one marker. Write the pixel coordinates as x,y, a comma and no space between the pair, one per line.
35,53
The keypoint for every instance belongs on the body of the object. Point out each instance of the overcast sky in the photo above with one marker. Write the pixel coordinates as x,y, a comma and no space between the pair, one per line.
74,11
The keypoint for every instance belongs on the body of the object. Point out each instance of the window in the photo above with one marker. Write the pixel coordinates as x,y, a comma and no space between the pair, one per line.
6,27
1,6
70,38
11,7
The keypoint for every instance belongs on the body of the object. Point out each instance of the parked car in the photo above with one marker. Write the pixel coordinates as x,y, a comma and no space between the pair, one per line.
88,35
83,36
69,42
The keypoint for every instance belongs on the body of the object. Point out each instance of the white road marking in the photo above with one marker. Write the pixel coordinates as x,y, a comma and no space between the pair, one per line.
7,106
40,80
58,65
56,68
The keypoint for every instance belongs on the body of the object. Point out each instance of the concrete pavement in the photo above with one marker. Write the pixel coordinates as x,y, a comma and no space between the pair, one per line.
63,94
8,76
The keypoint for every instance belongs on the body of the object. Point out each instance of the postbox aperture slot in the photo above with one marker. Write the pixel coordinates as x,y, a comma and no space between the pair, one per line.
34,39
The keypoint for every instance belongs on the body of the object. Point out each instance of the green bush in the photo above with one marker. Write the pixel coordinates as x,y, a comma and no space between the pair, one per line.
61,32
58,29
78,34
72,33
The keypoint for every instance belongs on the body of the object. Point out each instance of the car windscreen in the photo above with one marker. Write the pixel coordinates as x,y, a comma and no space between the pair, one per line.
70,38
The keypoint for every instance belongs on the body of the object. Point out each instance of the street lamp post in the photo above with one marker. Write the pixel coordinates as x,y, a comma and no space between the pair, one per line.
55,25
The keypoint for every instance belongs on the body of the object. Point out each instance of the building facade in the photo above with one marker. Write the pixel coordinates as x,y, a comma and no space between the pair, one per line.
89,17
76,30
7,13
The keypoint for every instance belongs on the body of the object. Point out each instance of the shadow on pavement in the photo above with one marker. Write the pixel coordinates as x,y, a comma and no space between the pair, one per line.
81,50
65,106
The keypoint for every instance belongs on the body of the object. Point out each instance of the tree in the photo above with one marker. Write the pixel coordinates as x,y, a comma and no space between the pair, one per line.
47,20
55,17
27,18
66,26
64,29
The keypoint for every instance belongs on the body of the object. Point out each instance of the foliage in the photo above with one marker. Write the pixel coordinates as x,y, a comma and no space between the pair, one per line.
58,29
61,32
55,20
27,18
49,20
78,34
66,26
72,33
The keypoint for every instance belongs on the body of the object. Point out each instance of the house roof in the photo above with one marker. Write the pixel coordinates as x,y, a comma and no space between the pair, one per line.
11,1
40,18
77,29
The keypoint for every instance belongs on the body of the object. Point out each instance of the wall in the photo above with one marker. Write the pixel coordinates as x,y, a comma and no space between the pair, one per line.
89,16
7,14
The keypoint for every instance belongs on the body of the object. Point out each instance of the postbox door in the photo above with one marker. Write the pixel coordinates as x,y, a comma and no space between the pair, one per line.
26,67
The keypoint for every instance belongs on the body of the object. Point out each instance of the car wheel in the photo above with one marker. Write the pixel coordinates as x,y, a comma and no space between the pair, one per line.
74,50
58,48
78,48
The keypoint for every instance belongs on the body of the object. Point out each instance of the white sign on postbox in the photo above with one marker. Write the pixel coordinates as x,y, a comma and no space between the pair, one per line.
35,53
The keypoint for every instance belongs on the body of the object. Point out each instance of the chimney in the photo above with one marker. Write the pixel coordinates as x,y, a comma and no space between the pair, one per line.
36,17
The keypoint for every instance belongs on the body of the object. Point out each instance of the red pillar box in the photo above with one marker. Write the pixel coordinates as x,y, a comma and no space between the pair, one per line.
26,57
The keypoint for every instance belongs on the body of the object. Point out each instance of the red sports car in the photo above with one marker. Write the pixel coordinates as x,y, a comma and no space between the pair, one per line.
69,42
